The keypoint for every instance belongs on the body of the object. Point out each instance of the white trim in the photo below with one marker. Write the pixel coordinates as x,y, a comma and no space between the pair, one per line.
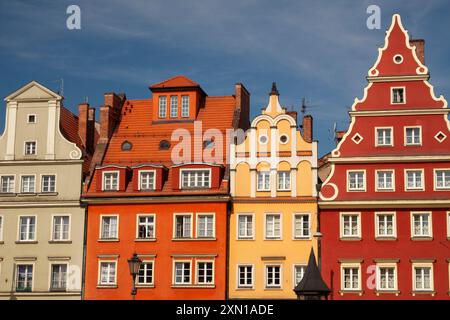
103,179
440,133
405,143
139,179
35,183
35,228
139,215
25,148
205,214
387,159
266,278
42,184
99,275
395,59
263,135
405,174
435,187
2,227
250,286
265,226
422,265
287,139
378,276
294,216
197,261
28,118
257,184
391,136
394,224
364,180
252,237
359,136
448,227
180,181
174,229
341,225
392,95
53,225
342,277
15,182
57,262
377,189
174,261
430,224
106,215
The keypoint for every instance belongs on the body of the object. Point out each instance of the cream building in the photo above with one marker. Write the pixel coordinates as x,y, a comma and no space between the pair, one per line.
41,219
274,210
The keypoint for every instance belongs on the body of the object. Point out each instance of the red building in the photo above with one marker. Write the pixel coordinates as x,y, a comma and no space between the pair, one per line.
159,188
385,204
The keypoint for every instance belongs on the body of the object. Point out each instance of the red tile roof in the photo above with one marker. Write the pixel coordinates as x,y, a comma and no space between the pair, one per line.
177,81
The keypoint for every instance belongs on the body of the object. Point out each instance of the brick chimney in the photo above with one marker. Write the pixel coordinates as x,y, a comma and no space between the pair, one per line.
243,104
110,114
86,126
293,114
307,125
420,48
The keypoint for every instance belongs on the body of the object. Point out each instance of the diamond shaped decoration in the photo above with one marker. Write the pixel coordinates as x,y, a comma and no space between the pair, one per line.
357,138
440,136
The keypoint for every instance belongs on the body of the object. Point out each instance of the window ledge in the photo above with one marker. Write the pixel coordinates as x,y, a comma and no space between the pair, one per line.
273,289
108,240
193,286
47,194
145,240
8,194
194,239
381,238
432,293
273,239
27,194
60,241
250,289
302,239
396,292
421,238
359,292
245,239
107,286
145,286
350,238
26,242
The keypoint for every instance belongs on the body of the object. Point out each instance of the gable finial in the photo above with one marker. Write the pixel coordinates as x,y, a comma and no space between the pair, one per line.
274,91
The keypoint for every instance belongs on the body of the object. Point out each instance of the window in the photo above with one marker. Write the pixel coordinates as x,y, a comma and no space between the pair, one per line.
183,226
162,107
384,137
31,118
1,228
24,280
146,227
273,276
173,106
284,180
356,180
441,179
263,139
421,224
61,227
414,179
423,277
205,273
28,184
48,183
205,226
164,145
385,180
58,277
7,184
299,272
284,139
126,146
27,228
109,228
273,226
146,180
398,95
301,226
108,273
413,136
245,226
386,277
350,277
110,181
30,147
195,178
350,225
182,273
185,106
245,276
145,275
263,181
385,225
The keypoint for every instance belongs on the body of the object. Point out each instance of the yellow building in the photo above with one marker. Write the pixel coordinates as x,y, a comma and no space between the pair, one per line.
273,220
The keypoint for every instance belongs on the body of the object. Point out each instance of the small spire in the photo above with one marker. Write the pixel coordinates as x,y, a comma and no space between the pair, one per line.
274,91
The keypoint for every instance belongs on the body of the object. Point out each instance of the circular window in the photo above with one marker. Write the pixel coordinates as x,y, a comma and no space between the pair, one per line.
262,139
126,146
284,139
164,145
398,58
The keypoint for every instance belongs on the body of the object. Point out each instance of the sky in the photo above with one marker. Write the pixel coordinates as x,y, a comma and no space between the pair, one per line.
320,50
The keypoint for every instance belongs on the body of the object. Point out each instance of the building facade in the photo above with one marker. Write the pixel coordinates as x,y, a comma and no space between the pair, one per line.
160,189
385,206
42,152
274,206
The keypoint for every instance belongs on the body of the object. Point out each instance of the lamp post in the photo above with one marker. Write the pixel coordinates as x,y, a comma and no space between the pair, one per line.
134,264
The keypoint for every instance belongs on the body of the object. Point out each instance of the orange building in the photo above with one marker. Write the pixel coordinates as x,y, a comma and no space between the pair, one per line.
159,187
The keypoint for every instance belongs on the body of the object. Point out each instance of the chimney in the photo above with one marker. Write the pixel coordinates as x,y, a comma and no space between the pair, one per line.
110,114
293,114
307,125
83,115
243,104
420,48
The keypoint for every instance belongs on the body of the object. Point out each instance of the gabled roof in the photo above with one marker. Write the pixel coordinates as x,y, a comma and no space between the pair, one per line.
312,282
175,82
40,92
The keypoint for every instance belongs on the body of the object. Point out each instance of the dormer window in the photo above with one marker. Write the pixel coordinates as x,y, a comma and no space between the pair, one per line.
184,106
164,145
193,178
398,95
146,180
31,118
162,107
110,181
173,106
30,147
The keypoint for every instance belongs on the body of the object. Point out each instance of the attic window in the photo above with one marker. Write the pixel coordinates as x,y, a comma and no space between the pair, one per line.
126,146
398,58
31,118
398,95
164,145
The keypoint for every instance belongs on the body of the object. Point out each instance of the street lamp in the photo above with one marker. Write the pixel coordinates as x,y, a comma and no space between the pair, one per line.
134,264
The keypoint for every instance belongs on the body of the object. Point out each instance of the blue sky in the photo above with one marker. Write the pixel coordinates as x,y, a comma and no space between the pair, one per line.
316,49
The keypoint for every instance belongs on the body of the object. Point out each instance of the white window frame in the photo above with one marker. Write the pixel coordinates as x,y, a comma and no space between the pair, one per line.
378,275
280,237
405,140
422,188
266,276
28,118
51,264
294,274
197,282
2,224
346,265
377,188
140,180
197,224
14,183
25,148
430,224
183,113
99,274
436,188
196,178
404,95
21,183
42,182
288,172
100,236
265,172
104,181
364,180
247,237
391,129
162,113
53,227
422,265
35,228
174,115
147,261
341,224
245,286
177,214
394,224
25,263
174,274
141,215
294,218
